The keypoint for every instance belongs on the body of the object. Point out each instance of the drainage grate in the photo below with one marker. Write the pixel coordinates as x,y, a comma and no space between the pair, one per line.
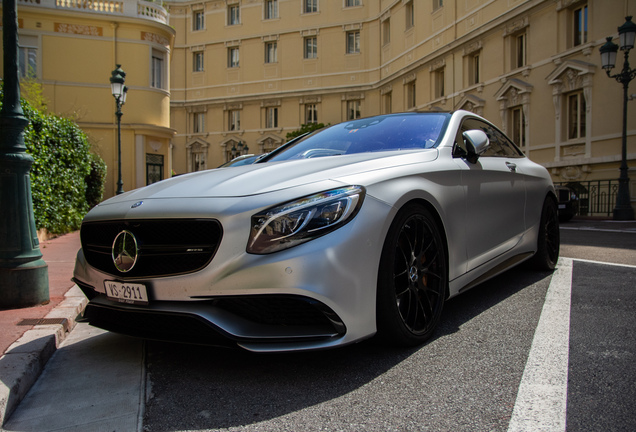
44,321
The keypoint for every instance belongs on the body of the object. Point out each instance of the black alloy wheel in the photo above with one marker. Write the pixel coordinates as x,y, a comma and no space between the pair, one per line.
413,279
549,240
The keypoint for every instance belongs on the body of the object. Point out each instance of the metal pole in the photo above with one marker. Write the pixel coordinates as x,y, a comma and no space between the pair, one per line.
623,210
120,183
24,277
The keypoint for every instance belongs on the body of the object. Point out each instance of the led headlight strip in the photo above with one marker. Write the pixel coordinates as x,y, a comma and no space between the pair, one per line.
304,219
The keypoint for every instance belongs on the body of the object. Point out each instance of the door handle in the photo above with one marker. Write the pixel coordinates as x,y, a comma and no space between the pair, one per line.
511,166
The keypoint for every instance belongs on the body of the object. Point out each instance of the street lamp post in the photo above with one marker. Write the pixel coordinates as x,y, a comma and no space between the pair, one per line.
119,91
24,277
626,33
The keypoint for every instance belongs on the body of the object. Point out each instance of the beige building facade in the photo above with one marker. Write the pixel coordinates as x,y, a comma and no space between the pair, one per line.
247,72
70,47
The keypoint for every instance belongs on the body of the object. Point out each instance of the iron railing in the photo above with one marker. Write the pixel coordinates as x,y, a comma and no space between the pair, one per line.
596,198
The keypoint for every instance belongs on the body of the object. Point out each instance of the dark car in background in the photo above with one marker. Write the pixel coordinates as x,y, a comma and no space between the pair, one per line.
568,203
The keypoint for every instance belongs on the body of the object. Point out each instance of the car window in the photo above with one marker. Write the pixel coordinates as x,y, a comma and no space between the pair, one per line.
374,134
500,145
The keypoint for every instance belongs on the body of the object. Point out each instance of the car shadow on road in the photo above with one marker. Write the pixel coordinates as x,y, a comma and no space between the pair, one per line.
197,387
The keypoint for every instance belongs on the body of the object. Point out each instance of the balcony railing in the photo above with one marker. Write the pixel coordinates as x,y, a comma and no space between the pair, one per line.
596,198
125,8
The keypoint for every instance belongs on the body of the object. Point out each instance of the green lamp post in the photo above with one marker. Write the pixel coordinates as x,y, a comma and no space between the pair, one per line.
24,277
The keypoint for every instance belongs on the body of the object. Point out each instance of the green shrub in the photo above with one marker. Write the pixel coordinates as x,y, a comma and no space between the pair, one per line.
63,184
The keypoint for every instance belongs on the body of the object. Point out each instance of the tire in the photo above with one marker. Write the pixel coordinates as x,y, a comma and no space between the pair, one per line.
412,279
549,241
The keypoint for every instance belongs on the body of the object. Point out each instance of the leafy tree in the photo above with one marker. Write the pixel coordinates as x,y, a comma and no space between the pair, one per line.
304,129
66,178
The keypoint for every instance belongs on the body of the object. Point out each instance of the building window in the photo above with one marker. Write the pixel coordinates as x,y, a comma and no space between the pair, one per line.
234,120
386,31
271,52
437,4
410,95
410,16
233,14
438,84
311,114
156,69
473,68
154,168
353,110
197,61
518,55
198,123
198,20
353,42
387,103
351,3
518,127
233,57
28,56
271,118
576,115
271,9
310,6
311,47
580,25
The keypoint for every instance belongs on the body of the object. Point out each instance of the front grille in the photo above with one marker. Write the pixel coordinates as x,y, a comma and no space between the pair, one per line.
165,246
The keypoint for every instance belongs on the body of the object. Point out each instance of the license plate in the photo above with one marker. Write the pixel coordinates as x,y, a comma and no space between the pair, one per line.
126,292
561,206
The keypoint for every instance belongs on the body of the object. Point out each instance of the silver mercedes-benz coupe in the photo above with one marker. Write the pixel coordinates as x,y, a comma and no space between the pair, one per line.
362,228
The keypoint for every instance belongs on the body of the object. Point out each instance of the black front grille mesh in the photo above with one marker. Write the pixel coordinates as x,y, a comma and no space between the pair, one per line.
165,246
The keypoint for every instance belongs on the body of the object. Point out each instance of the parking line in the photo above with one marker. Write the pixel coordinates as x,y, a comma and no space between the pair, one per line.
541,403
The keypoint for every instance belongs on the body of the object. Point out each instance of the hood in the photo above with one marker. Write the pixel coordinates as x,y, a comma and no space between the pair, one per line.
262,178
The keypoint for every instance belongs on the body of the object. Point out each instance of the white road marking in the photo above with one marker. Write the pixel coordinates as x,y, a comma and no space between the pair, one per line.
541,403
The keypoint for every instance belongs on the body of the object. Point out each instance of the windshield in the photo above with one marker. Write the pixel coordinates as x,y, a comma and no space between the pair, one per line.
373,134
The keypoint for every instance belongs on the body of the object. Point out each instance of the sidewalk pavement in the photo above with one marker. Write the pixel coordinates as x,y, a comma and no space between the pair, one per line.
30,336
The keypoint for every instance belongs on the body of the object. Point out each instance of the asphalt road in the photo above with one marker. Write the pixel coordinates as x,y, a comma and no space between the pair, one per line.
467,378
526,351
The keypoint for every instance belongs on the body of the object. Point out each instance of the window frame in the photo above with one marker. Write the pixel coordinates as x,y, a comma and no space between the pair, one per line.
233,14
271,9
518,126
198,123
234,120
271,117
439,83
576,128
437,4
409,15
353,46
233,61
271,52
386,31
311,113
354,111
310,6
410,95
580,25
198,20
198,61
307,52
157,69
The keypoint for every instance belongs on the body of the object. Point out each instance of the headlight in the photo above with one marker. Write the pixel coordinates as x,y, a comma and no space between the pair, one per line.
304,219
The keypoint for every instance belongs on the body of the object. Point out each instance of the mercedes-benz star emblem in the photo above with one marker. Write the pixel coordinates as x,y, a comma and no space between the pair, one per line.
125,251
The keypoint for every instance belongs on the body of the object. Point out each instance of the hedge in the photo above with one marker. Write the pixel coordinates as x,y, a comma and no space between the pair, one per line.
66,178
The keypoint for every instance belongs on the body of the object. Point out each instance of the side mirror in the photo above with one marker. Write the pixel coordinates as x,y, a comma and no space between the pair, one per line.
476,144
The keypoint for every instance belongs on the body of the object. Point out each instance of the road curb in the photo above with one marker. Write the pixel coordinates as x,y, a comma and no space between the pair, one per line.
26,358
